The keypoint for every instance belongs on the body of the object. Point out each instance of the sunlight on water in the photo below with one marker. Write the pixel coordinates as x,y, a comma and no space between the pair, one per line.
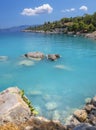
56,88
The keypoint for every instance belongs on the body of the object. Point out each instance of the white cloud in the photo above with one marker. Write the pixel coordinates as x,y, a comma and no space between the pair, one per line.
68,10
45,8
84,8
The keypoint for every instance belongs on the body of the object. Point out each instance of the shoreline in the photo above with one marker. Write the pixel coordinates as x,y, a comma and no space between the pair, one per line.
91,35
14,116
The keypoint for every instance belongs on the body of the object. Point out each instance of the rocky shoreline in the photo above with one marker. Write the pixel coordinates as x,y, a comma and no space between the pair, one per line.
15,114
87,35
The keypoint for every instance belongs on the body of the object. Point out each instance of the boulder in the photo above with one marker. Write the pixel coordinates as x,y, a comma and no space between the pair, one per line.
34,55
12,107
94,101
84,127
53,57
89,107
81,115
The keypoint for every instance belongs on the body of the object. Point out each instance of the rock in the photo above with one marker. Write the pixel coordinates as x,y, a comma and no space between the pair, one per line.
51,105
34,55
53,57
94,101
92,119
3,58
88,100
84,127
81,115
63,67
26,63
71,120
28,128
12,106
89,107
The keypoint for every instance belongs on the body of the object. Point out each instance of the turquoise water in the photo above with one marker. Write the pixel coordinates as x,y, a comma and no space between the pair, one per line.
44,83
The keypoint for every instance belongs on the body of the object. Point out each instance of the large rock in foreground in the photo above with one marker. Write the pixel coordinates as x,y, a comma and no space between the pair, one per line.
12,107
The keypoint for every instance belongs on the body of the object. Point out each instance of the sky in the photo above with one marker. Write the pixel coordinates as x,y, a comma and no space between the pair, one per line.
33,12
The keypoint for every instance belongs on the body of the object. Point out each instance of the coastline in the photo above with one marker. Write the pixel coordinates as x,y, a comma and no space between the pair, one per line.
91,35
12,118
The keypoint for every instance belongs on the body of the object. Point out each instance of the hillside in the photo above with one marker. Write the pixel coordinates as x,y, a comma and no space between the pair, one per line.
81,24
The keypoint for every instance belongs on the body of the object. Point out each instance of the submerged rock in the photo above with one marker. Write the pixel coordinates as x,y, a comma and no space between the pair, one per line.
12,106
3,58
63,67
26,63
34,55
51,105
88,100
35,93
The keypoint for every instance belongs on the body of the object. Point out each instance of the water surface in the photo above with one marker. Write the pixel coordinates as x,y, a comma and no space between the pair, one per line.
63,84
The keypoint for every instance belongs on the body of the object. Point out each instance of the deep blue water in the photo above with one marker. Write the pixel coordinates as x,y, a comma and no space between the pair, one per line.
43,82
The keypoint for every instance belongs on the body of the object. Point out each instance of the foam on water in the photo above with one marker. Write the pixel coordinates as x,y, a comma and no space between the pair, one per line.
65,82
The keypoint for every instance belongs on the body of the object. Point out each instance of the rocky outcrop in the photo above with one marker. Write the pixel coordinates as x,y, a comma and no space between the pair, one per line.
12,106
91,35
34,55
53,57
15,114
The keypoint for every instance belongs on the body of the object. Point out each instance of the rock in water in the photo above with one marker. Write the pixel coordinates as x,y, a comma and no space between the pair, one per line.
26,63
3,58
34,55
53,57
51,105
81,115
12,107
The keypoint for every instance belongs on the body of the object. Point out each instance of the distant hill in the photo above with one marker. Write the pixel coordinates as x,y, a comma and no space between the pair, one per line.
15,29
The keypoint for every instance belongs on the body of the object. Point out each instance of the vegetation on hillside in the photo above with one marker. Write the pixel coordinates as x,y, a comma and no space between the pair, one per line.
82,24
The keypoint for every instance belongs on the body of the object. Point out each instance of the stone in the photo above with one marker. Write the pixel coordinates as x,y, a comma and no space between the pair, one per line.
34,55
51,105
88,100
92,119
81,115
3,58
89,107
94,101
84,127
53,57
26,63
12,107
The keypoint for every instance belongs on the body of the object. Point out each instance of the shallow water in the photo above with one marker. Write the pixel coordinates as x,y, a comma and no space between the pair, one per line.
57,88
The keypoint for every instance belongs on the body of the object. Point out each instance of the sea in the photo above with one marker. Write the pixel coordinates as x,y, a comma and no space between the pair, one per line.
55,88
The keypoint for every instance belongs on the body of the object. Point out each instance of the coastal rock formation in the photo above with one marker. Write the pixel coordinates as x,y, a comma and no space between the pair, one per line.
34,55
15,114
12,106
81,115
53,57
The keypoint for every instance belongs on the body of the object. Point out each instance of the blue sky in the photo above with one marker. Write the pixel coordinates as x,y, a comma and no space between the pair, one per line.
30,12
